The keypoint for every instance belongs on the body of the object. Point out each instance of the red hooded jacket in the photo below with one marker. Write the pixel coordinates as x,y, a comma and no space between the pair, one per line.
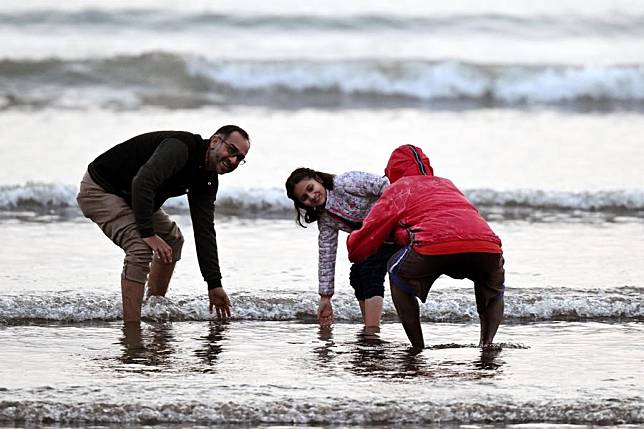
423,210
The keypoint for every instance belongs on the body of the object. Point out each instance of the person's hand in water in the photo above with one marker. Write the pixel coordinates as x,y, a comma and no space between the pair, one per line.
219,299
325,311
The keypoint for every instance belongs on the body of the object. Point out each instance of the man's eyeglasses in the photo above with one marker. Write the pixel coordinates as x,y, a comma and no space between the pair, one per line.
234,152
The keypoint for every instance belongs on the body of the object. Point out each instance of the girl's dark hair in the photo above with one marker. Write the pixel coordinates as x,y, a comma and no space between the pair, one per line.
302,212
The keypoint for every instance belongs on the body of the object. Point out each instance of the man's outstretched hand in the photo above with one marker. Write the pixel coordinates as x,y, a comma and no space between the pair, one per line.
219,299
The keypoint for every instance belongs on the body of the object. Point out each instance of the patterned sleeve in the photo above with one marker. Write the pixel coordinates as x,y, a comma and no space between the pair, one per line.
328,248
364,184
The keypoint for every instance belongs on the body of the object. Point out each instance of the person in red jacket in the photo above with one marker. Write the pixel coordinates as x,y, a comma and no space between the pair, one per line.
441,233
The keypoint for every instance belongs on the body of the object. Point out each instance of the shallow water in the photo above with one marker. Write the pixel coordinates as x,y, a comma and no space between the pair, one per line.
270,280
276,254
534,111
289,372
570,350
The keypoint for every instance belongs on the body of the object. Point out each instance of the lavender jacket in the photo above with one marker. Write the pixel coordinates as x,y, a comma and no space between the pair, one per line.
347,204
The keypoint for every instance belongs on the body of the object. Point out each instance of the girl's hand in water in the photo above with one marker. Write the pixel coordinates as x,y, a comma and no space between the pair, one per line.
325,311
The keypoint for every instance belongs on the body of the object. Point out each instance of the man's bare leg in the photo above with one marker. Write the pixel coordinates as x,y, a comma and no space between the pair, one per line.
409,315
132,296
159,278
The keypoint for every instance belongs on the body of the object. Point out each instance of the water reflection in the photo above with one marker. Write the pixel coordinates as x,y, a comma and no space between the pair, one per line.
212,344
489,360
150,345
373,357
369,356
325,352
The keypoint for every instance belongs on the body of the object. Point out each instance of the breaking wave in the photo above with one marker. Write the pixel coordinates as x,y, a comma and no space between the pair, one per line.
183,81
455,306
271,202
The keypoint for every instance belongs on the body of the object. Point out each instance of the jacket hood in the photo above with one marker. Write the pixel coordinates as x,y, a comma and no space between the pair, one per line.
407,160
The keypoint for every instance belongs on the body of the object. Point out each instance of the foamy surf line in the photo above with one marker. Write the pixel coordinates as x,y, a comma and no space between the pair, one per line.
173,81
454,306
257,201
596,410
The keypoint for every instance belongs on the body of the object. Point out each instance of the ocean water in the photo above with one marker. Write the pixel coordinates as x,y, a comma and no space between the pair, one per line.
534,111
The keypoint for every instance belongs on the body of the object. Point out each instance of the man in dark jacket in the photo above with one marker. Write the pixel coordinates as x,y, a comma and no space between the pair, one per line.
125,187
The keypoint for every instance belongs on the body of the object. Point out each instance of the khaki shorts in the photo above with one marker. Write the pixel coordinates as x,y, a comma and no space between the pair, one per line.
415,273
116,219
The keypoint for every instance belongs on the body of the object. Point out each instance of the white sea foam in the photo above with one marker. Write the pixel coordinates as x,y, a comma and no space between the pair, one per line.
330,411
37,195
627,199
569,84
257,201
442,80
453,306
